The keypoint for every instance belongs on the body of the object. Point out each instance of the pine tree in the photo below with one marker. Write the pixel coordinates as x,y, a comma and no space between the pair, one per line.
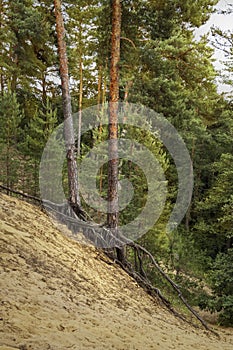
38,132
67,111
26,51
223,40
10,133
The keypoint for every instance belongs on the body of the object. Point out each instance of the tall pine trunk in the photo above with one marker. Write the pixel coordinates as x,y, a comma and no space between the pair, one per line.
67,110
80,105
113,209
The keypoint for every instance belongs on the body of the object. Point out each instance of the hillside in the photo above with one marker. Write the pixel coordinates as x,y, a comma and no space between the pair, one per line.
59,294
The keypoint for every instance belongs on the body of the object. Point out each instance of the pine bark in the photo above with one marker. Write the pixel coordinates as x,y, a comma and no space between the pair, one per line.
113,210
67,110
80,105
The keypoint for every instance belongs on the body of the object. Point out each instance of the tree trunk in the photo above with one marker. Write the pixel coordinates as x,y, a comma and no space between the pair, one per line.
1,74
67,110
104,85
80,105
44,92
188,213
113,210
100,69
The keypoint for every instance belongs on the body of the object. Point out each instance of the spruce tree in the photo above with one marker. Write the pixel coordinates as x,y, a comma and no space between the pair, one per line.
38,132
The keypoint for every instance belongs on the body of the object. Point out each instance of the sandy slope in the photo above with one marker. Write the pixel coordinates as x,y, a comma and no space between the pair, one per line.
58,294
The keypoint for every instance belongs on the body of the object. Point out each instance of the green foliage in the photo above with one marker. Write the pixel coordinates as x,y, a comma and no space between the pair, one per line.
221,281
213,227
27,52
223,40
82,47
128,169
40,128
222,273
163,67
11,117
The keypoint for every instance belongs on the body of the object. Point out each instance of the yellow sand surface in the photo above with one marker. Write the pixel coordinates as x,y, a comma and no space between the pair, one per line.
59,294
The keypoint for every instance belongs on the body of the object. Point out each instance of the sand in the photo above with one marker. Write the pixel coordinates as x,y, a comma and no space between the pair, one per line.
58,294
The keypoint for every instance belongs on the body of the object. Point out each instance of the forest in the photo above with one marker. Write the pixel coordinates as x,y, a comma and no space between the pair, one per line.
160,66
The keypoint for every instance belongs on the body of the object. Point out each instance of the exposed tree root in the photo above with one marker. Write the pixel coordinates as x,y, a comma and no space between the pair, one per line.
101,236
173,284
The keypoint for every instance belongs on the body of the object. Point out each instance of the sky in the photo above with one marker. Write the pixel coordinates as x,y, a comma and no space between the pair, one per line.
224,22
